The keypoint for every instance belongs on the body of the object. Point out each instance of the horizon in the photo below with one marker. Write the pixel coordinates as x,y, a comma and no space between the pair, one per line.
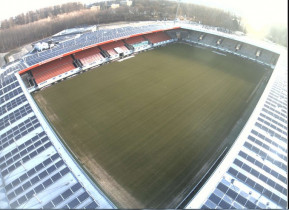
254,14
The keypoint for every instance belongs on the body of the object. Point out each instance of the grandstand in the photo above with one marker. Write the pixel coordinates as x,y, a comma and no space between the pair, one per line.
228,44
209,40
194,36
253,174
38,171
138,43
89,56
52,69
173,34
115,48
157,38
248,50
266,56
134,40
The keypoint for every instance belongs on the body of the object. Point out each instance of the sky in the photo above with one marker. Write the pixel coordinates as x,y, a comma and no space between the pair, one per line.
11,8
257,14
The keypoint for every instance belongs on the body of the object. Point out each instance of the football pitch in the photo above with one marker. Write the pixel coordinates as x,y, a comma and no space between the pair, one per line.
149,127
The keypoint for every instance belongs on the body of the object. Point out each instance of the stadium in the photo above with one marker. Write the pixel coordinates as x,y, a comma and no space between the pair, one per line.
198,132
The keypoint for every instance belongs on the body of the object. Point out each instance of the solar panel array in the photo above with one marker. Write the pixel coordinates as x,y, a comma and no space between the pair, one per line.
22,141
33,173
229,45
254,175
91,38
36,171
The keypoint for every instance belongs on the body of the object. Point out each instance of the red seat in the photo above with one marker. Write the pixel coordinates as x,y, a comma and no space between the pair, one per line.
52,69
157,37
134,40
109,47
89,56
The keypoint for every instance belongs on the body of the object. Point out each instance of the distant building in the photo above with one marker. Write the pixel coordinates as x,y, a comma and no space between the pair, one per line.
128,3
114,6
95,7
41,46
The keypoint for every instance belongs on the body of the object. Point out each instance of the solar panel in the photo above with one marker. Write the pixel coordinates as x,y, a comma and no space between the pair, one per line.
205,207
224,205
16,182
27,185
51,169
83,196
11,196
48,206
14,204
215,199
22,199
72,204
35,180
18,190
57,200
76,187
23,177
30,194
92,205
222,187
43,174
39,167
39,188
64,171
47,182
240,199
66,194
59,163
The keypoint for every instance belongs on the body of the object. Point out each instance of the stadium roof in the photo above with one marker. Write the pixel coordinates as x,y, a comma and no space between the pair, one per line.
38,171
254,172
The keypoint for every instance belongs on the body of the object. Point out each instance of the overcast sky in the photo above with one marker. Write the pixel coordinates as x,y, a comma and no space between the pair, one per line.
14,7
258,13
274,11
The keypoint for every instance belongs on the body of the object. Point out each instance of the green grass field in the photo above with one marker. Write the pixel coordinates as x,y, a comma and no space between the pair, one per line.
153,122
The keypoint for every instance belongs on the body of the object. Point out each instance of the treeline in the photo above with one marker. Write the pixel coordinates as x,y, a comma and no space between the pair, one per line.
52,20
279,34
40,14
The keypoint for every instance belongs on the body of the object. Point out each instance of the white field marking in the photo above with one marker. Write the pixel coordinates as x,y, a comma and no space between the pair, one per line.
219,53
120,60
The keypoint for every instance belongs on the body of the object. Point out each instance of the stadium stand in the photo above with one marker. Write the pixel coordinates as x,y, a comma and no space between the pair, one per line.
256,176
157,37
248,50
36,170
172,34
52,69
134,40
267,56
210,40
184,34
137,43
194,36
228,44
110,47
219,41
89,56
88,39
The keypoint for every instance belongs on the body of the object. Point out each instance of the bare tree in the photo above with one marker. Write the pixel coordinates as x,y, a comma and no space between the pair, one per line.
36,25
